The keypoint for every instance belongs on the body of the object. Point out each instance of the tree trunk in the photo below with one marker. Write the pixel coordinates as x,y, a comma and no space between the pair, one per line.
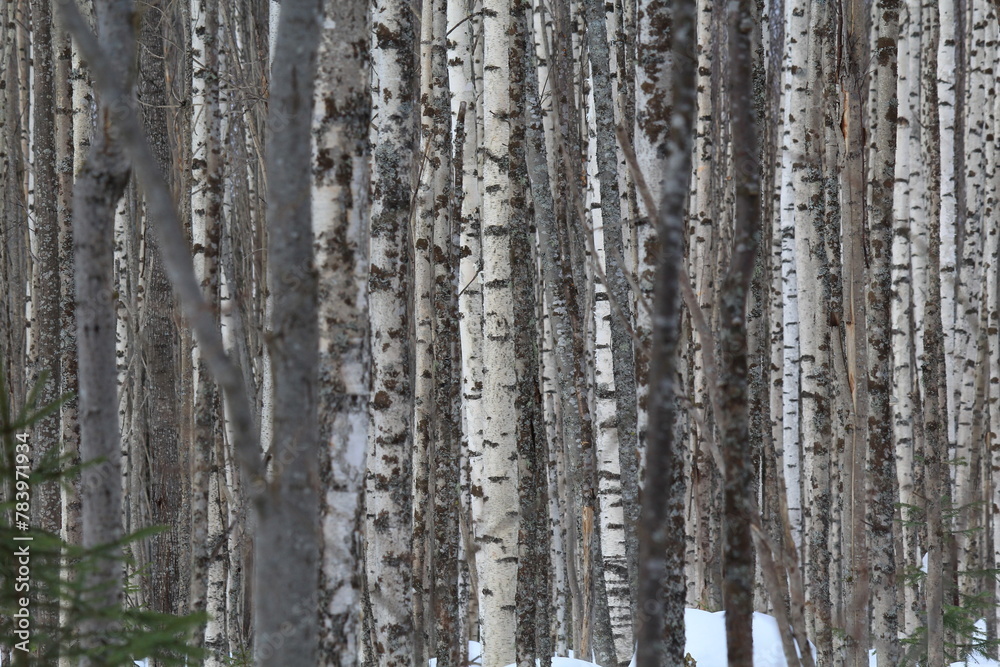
99,186
45,292
853,89
660,632
621,321
909,236
286,601
933,368
341,117
66,154
497,525
158,388
882,461
388,499
739,500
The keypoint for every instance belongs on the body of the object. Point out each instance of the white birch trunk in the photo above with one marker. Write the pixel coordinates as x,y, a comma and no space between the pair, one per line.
609,490
470,299
702,234
273,14
341,116
946,101
464,27
908,223
968,301
497,526
389,528
794,83
215,628
557,531
992,255
235,547
424,381
653,58
808,216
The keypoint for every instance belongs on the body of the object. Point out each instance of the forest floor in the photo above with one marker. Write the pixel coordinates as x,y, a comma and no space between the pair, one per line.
706,644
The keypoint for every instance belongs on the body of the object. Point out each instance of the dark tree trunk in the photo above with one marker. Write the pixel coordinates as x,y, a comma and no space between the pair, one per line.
166,583
738,495
45,289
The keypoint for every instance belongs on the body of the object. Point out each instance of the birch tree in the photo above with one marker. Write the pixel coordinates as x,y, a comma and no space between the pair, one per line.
796,190
532,599
497,525
859,340
207,590
623,355
388,499
909,228
882,462
340,120
933,368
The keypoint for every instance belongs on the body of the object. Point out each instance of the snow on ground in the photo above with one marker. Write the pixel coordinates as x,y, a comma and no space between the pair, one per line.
706,639
706,642
977,661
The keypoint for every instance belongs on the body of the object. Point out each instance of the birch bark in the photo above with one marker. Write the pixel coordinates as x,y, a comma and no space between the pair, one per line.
340,120
652,92
532,598
796,190
812,275
466,22
878,304
993,294
497,525
424,383
933,369
463,81
908,226
609,471
993,399
207,587
969,273
623,354
45,286
946,94
388,495
570,471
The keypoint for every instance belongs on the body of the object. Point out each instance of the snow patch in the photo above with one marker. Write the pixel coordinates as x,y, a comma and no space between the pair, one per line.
705,640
